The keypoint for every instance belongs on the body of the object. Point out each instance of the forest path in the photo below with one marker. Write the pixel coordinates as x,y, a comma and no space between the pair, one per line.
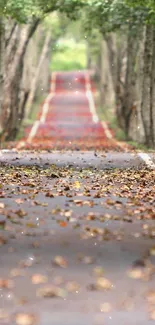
68,118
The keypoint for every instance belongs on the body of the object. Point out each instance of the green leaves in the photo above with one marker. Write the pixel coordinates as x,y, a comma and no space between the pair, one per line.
25,10
112,15
20,10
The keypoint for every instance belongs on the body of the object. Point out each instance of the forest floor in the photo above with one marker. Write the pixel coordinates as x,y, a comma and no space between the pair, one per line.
77,211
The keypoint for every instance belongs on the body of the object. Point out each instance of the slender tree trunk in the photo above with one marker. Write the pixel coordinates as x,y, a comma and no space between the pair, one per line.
153,92
112,51
147,92
129,100
116,45
35,80
2,55
107,94
137,123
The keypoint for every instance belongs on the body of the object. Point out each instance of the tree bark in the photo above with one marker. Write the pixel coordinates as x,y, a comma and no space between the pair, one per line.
116,45
35,80
153,92
147,91
107,94
129,101
2,55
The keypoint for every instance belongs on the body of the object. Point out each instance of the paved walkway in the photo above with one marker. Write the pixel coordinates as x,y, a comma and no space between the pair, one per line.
77,230
76,245
68,118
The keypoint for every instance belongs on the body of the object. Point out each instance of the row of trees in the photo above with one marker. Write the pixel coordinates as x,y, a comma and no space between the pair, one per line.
127,62
27,32
124,36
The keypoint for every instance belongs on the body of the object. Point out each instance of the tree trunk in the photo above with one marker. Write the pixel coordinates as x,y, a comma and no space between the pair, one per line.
129,101
12,79
37,73
116,45
2,55
147,92
136,131
112,51
107,94
153,92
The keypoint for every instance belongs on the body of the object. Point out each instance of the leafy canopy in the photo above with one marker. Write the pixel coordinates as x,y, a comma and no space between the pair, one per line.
24,10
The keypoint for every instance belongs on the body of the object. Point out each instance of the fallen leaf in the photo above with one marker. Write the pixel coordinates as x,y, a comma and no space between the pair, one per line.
103,284
152,251
60,261
31,225
51,292
50,194
77,185
38,279
150,296
6,284
63,224
3,241
26,319
54,175
2,205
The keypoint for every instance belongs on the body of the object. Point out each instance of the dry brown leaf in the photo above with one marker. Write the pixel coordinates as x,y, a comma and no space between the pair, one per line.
26,319
68,213
51,292
103,284
151,297
2,205
136,273
3,241
60,261
77,185
39,279
6,284
152,251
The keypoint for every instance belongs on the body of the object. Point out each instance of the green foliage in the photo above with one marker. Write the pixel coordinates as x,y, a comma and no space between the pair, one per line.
20,10
68,56
147,5
24,10
111,15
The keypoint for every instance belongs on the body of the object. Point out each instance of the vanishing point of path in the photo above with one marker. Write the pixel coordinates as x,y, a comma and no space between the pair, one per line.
68,119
